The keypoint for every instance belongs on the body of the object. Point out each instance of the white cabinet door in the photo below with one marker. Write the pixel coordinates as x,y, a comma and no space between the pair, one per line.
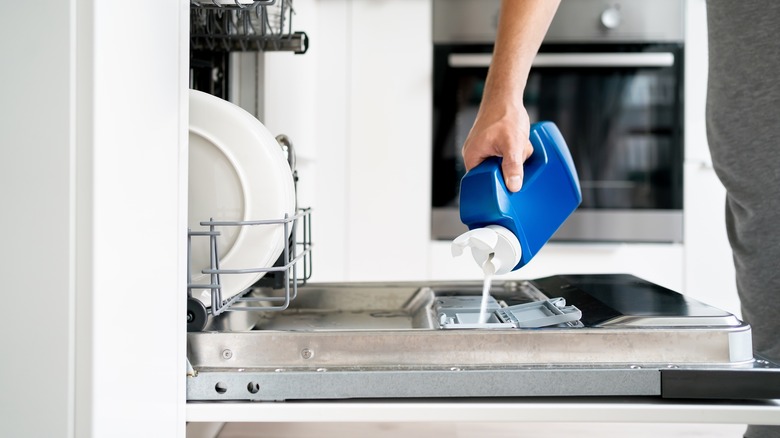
388,160
696,149
373,62
94,190
709,268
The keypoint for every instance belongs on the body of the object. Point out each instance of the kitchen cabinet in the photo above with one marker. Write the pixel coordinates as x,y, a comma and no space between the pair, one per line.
389,134
93,182
374,68
709,267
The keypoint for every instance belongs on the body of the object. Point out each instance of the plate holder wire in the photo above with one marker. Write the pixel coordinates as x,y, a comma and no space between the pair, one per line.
297,249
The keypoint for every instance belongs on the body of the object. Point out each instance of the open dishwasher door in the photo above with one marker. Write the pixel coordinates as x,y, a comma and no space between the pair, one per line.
413,340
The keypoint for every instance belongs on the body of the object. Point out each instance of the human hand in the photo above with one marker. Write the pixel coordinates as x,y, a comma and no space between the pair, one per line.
502,133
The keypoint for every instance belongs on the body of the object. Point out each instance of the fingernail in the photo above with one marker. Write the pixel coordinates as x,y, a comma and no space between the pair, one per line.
514,183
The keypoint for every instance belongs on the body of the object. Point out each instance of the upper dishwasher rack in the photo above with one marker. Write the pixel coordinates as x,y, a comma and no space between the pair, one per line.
241,25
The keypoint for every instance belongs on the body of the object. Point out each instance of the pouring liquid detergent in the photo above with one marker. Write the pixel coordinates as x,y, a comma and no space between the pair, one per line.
507,229
488,271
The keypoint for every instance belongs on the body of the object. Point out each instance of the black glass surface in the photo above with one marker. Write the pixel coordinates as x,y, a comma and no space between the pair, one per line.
623,125
602,297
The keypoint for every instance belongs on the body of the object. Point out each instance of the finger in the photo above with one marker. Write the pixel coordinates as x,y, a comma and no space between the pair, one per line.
512,168
472,158
471,161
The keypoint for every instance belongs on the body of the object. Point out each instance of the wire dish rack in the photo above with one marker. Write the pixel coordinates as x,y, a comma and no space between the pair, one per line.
297,250
244,25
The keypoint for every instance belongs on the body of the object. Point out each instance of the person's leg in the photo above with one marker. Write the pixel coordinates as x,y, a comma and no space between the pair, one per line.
743,129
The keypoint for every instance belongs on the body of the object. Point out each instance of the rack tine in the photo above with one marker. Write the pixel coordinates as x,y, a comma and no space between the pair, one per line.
189,262
216,292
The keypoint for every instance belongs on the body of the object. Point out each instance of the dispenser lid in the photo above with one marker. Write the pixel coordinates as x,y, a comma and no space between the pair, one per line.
464,313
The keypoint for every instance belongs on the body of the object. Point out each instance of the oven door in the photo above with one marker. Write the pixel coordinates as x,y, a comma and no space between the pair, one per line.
620,109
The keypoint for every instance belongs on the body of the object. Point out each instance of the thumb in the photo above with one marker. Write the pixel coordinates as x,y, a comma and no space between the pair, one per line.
512,168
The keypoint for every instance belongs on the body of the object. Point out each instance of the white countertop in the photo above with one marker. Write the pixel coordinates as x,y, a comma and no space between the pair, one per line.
619,410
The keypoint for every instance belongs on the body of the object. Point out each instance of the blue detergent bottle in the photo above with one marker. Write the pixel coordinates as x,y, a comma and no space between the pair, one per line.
507,229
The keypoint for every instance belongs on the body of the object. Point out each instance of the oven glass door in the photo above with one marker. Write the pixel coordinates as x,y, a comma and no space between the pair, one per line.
619,107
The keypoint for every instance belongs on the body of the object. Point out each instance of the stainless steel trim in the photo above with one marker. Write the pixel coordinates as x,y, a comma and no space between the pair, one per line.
270,385
412,349
674,321
576,21
587,225
623,226
662,59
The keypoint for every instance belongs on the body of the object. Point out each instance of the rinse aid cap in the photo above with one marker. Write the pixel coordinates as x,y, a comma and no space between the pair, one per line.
495,249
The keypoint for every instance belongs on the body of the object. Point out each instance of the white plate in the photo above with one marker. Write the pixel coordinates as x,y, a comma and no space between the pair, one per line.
237,172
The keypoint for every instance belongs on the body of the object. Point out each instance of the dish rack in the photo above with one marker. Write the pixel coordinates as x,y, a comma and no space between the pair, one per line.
243,25
297,249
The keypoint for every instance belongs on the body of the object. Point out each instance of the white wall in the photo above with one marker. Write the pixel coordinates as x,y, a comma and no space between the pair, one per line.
93,181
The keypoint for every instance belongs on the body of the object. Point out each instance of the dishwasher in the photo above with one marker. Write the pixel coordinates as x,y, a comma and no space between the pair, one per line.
287,338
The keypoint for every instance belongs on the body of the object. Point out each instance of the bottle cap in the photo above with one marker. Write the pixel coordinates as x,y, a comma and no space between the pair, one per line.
495,249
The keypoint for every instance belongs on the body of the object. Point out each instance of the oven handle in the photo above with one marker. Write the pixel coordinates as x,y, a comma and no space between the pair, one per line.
655,59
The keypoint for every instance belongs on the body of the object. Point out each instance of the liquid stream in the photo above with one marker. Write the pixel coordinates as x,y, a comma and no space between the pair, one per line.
483,315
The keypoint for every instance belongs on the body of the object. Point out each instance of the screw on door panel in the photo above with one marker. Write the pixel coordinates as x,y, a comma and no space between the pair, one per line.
307,354
227,354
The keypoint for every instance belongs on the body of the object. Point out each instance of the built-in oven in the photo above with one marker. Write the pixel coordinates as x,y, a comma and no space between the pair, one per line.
610,75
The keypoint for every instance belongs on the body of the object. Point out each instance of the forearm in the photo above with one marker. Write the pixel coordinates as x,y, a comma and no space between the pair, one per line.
521,29
502,126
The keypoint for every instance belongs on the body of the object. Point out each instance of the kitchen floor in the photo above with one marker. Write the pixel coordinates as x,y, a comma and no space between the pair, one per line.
474,430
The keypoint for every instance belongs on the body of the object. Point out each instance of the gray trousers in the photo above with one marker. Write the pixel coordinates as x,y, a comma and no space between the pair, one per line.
743,130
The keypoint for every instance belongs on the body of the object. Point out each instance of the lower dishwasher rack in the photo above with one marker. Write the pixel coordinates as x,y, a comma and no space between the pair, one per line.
285,275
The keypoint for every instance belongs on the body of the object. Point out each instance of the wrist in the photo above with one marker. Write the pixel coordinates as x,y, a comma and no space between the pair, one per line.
494,110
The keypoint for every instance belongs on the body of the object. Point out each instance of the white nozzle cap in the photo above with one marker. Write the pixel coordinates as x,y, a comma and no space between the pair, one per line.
492,247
